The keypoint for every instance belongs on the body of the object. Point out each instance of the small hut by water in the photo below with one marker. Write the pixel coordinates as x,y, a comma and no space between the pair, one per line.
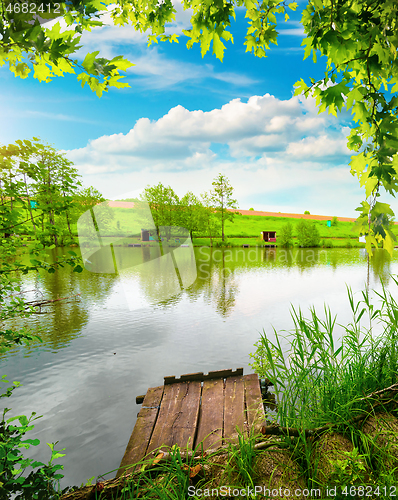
268,236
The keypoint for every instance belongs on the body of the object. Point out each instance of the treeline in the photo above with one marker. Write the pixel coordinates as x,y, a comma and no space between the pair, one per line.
41,194
202,216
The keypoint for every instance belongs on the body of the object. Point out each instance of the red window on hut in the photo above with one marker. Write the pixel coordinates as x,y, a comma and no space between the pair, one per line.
269,236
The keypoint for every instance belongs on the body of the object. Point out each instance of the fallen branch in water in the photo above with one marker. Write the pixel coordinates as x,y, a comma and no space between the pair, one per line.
41,303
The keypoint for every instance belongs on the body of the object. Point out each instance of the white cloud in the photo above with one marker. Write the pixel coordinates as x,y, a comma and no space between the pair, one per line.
318,147
262,125
277,154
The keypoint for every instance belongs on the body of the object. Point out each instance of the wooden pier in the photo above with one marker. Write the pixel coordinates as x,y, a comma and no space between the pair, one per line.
194,409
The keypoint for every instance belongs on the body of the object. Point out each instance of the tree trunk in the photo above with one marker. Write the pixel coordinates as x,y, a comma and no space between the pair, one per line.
67,221
29,207
50,211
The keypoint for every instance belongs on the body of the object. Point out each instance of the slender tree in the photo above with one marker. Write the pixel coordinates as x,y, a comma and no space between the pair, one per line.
221,196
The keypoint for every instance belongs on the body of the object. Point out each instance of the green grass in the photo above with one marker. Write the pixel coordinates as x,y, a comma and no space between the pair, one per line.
252,225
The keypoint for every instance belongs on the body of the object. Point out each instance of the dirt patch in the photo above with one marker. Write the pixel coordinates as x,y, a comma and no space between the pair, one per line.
332,448
276,470
380,436
291,216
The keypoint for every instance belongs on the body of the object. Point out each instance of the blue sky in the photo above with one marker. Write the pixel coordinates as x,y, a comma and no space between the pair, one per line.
187,118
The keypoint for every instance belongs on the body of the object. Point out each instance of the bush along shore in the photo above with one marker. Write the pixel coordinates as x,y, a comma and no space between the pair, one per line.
333,432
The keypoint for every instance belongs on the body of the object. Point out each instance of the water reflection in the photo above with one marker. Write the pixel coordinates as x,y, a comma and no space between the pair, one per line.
144,282
62,321
87,393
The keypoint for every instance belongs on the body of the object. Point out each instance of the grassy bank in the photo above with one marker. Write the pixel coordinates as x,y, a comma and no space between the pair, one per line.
257,242
246,229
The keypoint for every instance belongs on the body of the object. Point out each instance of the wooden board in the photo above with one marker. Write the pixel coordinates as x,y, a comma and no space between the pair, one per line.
254,404
211,417
178,416
199,376
146,419
234,408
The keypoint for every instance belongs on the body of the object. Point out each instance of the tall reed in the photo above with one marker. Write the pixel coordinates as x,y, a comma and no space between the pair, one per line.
322,380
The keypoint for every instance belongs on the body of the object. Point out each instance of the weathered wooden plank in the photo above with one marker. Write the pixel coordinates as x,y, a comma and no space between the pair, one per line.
142,432
211,414
184,378
178,416
184,427
224,373
199,376
254,403
234,407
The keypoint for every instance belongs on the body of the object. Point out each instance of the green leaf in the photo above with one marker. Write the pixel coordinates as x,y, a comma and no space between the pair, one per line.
300,87
354,95
218,47
33,442
88,63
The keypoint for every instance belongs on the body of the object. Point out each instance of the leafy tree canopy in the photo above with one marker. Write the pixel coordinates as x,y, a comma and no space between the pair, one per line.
359,39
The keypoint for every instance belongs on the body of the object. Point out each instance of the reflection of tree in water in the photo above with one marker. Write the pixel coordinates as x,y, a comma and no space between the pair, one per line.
306,258
380,264
225,289
63,320
216,279
284,257
158,280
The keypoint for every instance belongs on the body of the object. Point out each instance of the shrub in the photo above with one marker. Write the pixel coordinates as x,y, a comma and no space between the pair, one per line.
349,244
328,243
251,208
307,212
222,244
334,221
285,235
307,234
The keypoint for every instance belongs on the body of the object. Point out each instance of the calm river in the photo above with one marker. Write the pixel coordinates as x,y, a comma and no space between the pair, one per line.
104,348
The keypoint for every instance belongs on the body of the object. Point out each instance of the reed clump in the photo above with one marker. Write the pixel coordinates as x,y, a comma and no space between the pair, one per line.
347,388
